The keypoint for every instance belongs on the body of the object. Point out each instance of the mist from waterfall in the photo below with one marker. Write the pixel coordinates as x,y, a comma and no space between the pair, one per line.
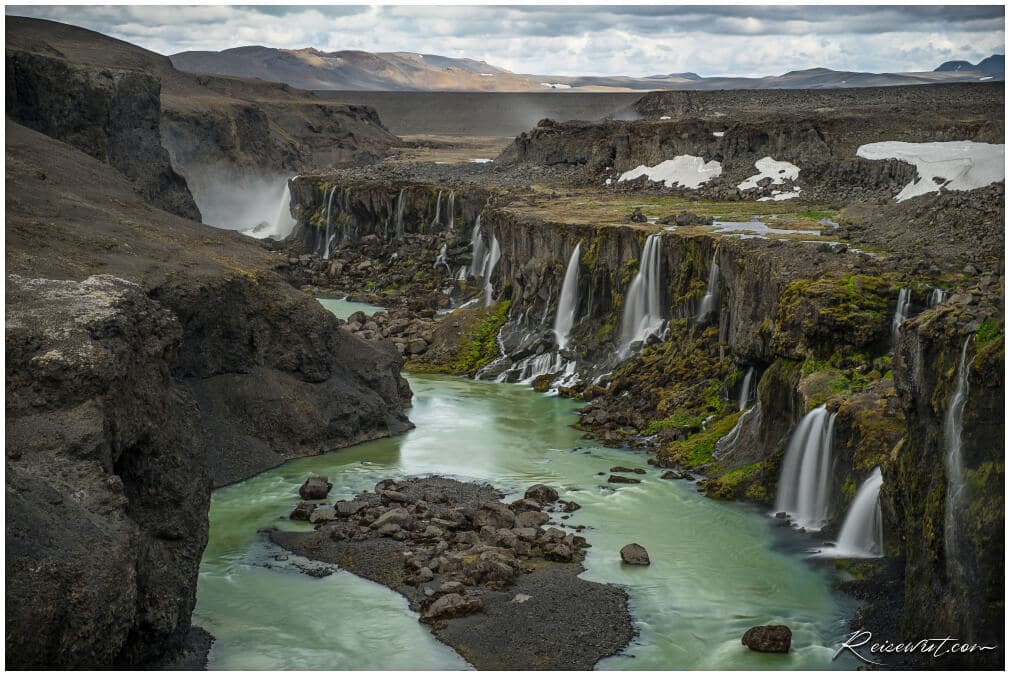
643,314
804,486
568,302
862,534
900,312
710,301
745,389
953,423
282,223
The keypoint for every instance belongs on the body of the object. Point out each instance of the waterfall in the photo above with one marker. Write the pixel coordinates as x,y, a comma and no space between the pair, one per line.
490,262
477,246
862,534
900,312
452,211
745,389
710,301
937,297
461,275
441,259
642,303
438,209
953,460
399,214
725,445
329,220
804,489
282,224
568,302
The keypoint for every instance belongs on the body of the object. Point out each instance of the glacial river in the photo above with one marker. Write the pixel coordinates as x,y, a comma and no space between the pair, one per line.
717,568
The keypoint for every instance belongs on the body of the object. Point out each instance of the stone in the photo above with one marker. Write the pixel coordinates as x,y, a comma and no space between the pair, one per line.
618,479
525,505
541,493
348,507
531,519
399,516
388,529
570,506
417,346
315,488
302,511
495,515
452,605
527,534
635,555
560,552
671,475
628,470
394,496
769,638
321,514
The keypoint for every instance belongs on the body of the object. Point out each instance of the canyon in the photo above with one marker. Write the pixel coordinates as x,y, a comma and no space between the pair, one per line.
737,291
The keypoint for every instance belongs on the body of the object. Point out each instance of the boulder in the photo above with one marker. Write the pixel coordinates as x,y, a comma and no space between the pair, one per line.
525,505
769,638
321,514
348,507
635,555
618,479
531,519
399,516
495,515
452,605
570,506
302,511
315,488
628,470
541,493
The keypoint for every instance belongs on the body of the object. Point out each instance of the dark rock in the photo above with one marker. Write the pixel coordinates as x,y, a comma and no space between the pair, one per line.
635,555
531,519
451,605
618,479
302,511
628,470
773,638
495,515
541,493
315,488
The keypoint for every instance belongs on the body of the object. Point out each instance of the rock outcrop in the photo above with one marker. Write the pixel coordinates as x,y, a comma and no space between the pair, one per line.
167,358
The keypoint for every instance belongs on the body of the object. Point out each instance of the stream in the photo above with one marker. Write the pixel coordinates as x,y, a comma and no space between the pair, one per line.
717,569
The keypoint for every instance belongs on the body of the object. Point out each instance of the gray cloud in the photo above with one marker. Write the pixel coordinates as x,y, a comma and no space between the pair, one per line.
569,40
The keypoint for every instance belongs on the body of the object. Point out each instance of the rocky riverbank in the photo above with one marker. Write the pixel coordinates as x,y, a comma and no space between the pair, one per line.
497,582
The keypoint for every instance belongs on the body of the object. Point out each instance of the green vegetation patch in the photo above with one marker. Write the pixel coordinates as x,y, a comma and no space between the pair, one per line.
697,449
482,348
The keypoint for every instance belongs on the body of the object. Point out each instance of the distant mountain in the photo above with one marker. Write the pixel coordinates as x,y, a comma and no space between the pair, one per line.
991,65
405,71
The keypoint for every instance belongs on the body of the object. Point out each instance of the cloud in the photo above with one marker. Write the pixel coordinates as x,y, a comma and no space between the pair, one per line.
570,40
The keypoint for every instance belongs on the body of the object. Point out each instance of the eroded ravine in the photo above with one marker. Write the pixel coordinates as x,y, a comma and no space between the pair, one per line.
718,568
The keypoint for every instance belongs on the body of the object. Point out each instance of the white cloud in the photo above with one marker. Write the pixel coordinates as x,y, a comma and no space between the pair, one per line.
589,40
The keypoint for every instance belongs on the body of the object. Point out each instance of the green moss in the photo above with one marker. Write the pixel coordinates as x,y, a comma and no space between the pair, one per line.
482,348
985,512
849,489
737,483
988,332
697,449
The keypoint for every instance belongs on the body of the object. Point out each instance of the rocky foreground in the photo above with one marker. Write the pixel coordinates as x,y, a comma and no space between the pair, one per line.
497,582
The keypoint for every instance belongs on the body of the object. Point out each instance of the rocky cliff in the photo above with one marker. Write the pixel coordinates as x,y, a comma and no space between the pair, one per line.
149,358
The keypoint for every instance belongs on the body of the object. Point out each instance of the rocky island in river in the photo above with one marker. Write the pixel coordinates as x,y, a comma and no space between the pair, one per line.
675,379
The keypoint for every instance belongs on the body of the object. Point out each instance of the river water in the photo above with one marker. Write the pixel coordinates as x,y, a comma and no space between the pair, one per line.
717,568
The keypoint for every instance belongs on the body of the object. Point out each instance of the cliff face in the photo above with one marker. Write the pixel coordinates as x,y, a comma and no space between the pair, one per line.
111,114
189,364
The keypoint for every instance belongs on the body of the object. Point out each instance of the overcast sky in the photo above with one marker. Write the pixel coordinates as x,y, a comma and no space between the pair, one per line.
587,40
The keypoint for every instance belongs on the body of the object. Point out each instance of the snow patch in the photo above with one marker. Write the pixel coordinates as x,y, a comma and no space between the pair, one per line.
718,134
607,182
779,195
480,160
773,169
555,85
687,171
665,117
953,165
983,79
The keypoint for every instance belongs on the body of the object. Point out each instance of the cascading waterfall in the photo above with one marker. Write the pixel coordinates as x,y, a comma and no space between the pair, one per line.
452,211
937,297
329,221
862,534
442,259
568,302
477,246
954,461
643,314
400,204
461,275
489,266
710,301
438,210
727,443
901,311
745,389
804,490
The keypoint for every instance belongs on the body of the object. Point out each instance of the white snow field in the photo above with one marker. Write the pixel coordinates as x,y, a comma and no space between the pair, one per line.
954,165
686,171
773,169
